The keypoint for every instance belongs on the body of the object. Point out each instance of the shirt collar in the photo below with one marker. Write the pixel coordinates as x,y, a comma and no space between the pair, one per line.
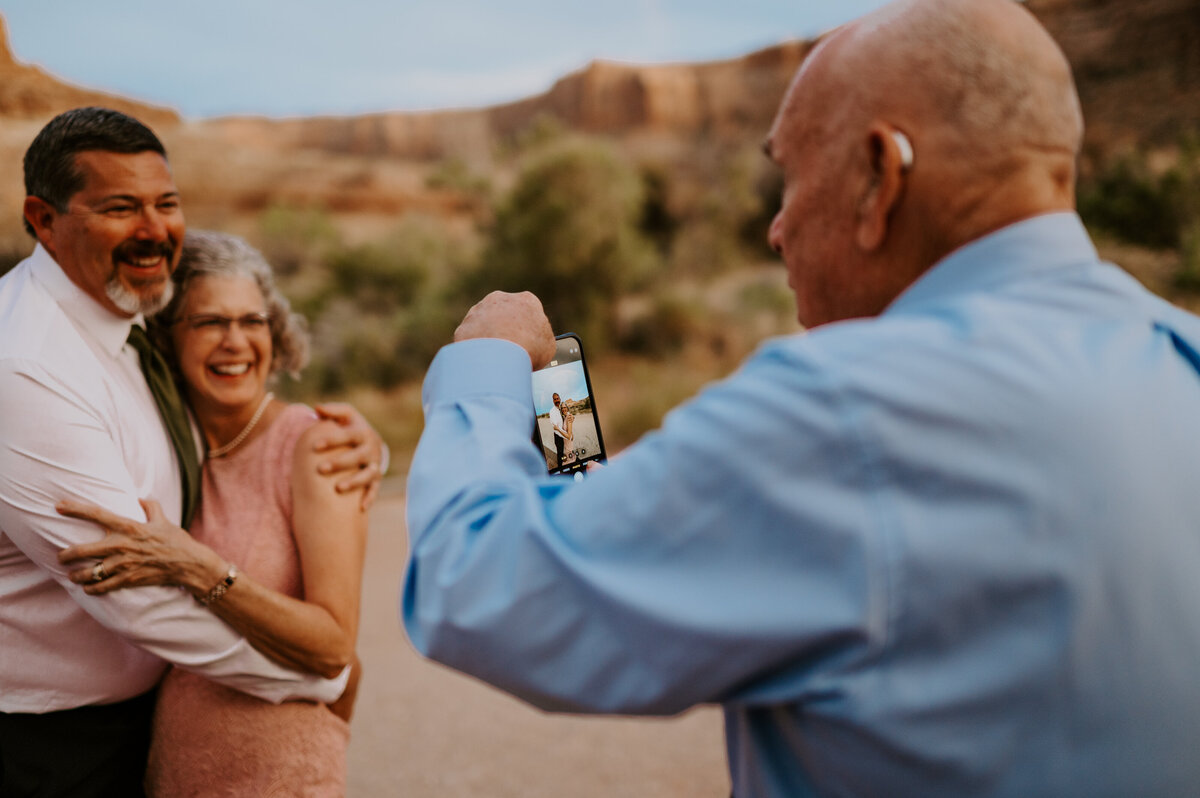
1024,248
88,315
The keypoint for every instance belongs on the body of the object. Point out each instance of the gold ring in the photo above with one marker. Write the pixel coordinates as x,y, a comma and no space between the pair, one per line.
98,572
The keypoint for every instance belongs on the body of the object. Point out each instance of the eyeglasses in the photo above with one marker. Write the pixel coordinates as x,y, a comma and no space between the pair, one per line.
215,324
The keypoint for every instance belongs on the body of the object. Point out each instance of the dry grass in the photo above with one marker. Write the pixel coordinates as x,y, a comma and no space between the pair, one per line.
1156,269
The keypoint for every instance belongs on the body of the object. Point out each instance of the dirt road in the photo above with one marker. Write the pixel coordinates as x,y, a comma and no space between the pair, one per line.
421,730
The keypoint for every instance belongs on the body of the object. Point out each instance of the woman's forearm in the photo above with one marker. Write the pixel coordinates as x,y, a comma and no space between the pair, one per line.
315,635
317,632
295,633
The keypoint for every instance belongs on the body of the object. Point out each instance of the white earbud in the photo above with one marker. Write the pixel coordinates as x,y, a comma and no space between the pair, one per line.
905,147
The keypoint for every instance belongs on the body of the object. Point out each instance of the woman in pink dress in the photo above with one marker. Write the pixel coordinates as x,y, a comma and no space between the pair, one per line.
569,431
274,550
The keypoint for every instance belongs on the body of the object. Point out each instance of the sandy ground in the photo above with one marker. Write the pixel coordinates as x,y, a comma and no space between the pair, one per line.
421,730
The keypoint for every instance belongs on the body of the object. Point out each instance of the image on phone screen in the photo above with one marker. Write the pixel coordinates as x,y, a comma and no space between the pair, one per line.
568,429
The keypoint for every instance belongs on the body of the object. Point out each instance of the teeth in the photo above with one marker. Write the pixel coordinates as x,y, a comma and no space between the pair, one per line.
145,263
232,370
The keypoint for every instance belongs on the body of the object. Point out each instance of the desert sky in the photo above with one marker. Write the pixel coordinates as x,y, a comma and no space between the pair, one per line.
313,57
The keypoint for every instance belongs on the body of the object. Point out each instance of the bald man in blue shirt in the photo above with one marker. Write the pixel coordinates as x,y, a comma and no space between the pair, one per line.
945,543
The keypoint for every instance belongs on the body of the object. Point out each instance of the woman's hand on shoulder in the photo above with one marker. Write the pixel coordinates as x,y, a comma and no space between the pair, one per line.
351,450
317,489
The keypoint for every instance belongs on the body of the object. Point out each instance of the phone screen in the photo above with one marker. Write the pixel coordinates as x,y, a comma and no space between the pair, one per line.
568,429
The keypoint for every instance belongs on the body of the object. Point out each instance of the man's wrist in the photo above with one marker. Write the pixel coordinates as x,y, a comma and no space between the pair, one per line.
480,366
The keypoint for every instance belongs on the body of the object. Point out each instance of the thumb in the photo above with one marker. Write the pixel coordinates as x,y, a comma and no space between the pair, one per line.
152,509
335,411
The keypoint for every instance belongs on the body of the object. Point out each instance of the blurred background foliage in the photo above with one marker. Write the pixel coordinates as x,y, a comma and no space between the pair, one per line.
660,264
1153,203
658,260
569,231
661,267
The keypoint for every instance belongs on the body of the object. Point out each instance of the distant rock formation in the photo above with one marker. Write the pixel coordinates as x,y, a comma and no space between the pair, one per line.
6,56
28,93
725,98
1137,65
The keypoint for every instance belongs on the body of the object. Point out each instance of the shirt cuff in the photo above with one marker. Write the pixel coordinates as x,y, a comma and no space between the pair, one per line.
334,687
479,366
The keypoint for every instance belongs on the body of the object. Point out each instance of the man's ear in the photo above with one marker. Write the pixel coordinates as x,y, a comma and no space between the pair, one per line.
889,156
41,216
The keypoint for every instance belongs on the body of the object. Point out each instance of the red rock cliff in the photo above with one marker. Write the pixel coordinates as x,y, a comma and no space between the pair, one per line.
29,93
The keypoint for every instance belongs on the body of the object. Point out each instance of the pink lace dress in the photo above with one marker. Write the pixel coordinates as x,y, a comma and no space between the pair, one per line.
211,740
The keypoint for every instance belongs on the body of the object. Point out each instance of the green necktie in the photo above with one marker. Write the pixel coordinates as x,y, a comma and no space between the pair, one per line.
174,414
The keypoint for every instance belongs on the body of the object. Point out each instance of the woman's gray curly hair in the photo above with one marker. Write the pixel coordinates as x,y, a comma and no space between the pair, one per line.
207,253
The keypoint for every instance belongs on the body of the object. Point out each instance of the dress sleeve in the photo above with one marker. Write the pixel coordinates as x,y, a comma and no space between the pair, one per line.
728,557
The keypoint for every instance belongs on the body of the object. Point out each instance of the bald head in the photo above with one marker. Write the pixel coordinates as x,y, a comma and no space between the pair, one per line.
985,70
986,100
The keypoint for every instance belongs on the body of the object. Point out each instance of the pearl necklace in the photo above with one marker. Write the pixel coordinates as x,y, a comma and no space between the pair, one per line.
221,451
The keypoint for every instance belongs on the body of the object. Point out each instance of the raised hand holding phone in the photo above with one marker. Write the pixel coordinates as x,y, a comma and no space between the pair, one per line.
567,429
513,317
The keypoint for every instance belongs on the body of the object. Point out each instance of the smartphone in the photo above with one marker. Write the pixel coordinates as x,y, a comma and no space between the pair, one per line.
567,431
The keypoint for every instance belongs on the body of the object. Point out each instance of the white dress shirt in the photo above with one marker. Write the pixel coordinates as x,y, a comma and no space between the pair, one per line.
77,420
556,420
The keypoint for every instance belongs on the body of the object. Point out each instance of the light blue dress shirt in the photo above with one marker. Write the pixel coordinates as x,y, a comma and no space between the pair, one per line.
954,550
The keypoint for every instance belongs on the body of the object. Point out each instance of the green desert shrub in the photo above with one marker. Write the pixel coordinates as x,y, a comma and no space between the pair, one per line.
295,239
378,277
568,232
1126,200
667,325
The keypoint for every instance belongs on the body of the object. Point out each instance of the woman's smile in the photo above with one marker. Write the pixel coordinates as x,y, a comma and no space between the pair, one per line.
223,342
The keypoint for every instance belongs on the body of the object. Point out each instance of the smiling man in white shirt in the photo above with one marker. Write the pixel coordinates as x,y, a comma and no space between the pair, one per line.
77,420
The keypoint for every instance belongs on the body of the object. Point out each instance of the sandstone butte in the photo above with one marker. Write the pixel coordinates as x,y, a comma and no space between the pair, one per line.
1137,66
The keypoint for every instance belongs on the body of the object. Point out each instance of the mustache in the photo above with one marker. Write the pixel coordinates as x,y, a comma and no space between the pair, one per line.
144,249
